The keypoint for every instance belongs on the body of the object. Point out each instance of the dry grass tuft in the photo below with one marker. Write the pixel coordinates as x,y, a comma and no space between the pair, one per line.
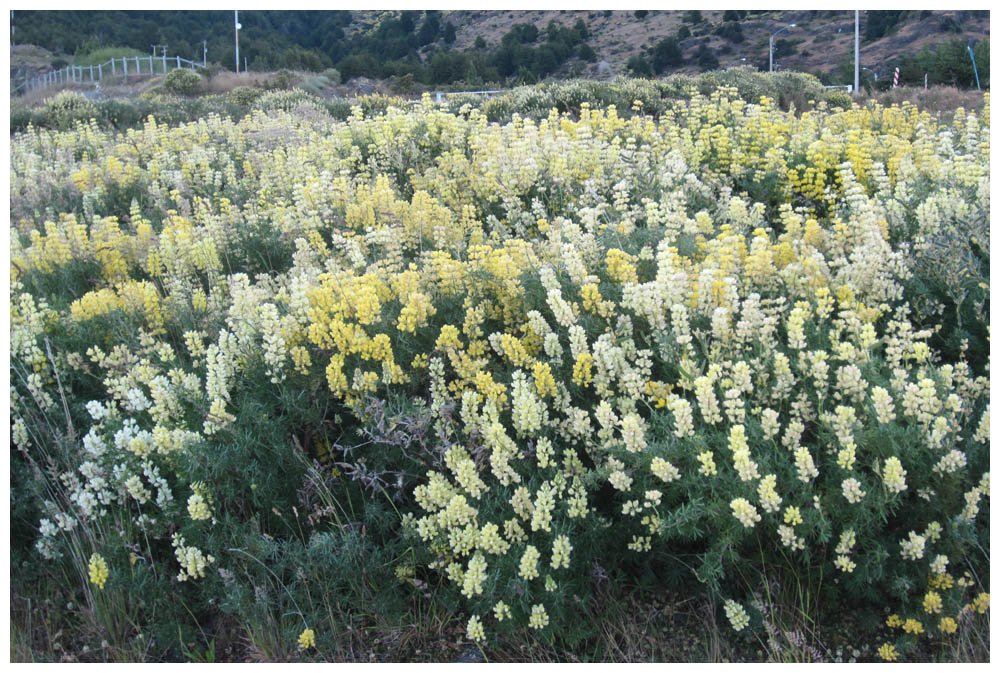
225,81
943,100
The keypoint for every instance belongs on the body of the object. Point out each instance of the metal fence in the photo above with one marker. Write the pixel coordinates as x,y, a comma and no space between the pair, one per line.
136,66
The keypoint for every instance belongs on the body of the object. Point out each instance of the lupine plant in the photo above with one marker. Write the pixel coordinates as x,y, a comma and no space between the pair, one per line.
535,351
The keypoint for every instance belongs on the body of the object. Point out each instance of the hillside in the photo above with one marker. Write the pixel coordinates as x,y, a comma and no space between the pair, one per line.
827,37
474,47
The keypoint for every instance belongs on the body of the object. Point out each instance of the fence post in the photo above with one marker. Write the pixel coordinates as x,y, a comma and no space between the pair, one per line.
112,66
125,68
150,64
100,72
91,73
178,61
138,70
164,62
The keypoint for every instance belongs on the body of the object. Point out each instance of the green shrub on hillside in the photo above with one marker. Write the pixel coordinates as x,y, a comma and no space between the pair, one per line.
183,82
66,109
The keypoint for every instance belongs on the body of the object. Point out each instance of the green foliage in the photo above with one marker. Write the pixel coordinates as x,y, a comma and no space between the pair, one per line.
838,98
244,96
706,58
786,47
666,55
447,66
314,502
639,66
66,109
947,63
730,30
332,75
183,82
105,54
880,23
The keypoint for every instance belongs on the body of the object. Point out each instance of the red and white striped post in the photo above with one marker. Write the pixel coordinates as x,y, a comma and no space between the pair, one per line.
895,78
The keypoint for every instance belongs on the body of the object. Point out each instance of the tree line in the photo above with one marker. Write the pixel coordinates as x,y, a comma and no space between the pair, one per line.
415,44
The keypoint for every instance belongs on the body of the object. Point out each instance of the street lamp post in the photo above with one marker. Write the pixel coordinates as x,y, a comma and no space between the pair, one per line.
236,20
857,50
770,53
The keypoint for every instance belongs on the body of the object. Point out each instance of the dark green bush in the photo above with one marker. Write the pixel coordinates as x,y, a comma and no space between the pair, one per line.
244,96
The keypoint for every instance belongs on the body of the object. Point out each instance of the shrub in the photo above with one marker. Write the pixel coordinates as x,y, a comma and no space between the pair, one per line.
183,82
333,75
20,117
244,96
838,98
502,367
287,100
639,66
67,108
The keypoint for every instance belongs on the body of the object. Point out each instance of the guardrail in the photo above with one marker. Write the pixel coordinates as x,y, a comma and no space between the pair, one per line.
849,87
137,66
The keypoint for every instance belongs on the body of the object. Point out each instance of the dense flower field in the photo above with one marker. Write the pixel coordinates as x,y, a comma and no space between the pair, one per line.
745,342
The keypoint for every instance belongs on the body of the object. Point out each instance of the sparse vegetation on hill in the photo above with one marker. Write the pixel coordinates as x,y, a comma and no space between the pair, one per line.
477,47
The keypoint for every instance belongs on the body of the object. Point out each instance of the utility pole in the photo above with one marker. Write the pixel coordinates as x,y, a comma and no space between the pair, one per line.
857,50
236,20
